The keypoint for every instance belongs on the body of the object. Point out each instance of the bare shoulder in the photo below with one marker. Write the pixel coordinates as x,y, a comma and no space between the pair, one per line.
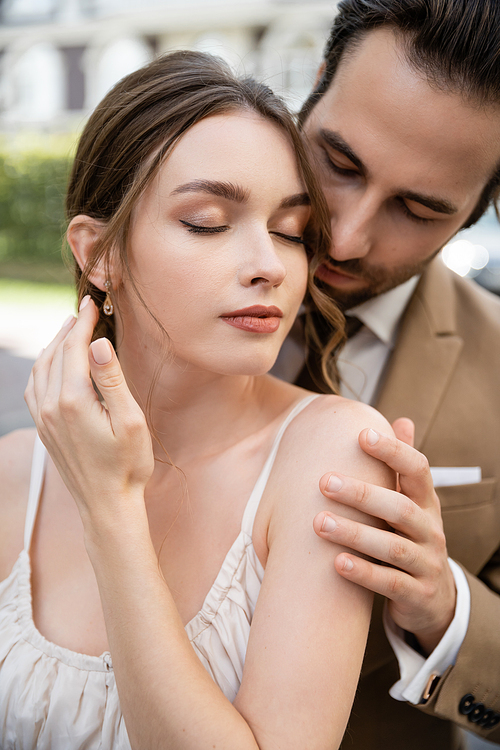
16,450
326,434
344,414
322,438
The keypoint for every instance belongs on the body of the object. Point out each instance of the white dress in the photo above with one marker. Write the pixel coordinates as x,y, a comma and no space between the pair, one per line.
52,698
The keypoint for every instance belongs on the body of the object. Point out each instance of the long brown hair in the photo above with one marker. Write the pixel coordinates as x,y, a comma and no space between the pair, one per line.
128,137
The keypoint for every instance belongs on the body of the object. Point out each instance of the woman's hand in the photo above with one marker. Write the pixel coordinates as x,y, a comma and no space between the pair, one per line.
102,451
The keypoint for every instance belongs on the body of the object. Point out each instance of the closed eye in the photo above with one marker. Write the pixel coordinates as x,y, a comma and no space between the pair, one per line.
197,229
411,215
336,168
289,237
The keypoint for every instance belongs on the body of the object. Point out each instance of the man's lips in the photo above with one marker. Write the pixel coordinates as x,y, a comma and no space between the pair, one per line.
256,319
336,276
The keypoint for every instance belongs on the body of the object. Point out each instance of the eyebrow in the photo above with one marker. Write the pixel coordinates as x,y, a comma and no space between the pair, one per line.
300,199
221,189
335,140
235,193
440,205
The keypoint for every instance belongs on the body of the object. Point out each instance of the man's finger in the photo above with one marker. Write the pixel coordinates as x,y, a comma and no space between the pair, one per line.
391,583
413,468
381,545
404,429
397,510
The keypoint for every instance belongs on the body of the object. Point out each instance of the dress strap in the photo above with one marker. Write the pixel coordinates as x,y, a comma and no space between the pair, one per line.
36,483
40,460
260,485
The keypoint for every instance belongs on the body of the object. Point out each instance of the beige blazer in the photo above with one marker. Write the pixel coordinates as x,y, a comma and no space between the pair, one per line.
444,373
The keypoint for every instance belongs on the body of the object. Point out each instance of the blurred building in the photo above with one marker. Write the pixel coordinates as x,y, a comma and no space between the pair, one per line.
59,57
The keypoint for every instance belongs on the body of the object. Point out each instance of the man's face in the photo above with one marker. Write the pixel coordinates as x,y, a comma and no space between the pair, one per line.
402,164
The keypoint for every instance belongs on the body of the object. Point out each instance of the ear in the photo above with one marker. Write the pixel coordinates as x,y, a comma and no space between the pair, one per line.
319,74
82,234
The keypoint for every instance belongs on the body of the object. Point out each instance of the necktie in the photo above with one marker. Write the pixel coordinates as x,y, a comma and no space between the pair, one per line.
311,377
352,325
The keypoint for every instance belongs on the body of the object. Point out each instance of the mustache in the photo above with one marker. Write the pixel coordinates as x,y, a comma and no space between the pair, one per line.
356,267
353,265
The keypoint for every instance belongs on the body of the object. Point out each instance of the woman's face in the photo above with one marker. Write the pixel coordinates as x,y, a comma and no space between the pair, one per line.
215,247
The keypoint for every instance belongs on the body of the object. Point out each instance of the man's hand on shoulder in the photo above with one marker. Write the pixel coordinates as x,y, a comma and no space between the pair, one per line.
409,562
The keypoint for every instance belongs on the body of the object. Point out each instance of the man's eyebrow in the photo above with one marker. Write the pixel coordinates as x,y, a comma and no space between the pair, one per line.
335,140
440,205
221,189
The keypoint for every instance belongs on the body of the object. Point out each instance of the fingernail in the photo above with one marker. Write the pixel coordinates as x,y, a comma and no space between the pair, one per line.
328,524
85,301
348,564
40,353
334,483
101,351
372,437
68,321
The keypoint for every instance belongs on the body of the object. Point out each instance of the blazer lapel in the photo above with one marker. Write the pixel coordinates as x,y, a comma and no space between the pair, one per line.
425,355
421,364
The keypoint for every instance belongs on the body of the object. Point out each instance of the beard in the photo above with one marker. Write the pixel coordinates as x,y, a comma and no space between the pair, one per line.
378,279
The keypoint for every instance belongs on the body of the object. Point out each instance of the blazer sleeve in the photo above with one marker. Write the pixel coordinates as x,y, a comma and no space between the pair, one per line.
468,693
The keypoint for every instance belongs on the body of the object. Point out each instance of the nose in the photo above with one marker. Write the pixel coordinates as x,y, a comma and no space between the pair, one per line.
262,263
352,223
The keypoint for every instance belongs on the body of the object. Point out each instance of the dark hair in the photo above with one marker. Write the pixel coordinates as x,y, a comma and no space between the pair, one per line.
133,130
455,43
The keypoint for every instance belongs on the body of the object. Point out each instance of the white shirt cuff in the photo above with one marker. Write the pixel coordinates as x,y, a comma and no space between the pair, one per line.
414,669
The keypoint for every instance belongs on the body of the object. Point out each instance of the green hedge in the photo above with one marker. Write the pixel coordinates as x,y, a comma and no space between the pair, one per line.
32,223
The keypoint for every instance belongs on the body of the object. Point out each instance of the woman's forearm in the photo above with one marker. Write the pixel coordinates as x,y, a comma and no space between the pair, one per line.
167,697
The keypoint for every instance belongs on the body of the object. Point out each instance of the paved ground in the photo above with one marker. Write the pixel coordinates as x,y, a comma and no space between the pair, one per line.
14,373
24,330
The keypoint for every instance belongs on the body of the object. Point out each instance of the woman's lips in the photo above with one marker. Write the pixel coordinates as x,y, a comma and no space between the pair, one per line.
256,319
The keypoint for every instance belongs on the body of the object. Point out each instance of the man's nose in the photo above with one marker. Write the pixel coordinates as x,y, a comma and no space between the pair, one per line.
352,226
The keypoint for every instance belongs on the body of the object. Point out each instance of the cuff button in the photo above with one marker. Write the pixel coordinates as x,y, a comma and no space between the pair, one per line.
492,721
488,716
477,713
466,704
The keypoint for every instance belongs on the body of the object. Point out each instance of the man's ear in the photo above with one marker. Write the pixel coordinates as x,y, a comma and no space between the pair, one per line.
82,234
319,74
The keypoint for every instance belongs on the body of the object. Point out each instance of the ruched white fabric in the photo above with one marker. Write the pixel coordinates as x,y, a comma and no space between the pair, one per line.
52,698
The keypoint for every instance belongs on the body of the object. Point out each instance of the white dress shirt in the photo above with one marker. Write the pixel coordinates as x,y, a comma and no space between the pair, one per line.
361,366
364,357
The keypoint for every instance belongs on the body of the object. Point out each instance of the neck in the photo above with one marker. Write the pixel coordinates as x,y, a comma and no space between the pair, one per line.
196,413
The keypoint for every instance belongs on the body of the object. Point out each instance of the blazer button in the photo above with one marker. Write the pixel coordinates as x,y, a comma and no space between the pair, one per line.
492,721
466,704
488,716
477,713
